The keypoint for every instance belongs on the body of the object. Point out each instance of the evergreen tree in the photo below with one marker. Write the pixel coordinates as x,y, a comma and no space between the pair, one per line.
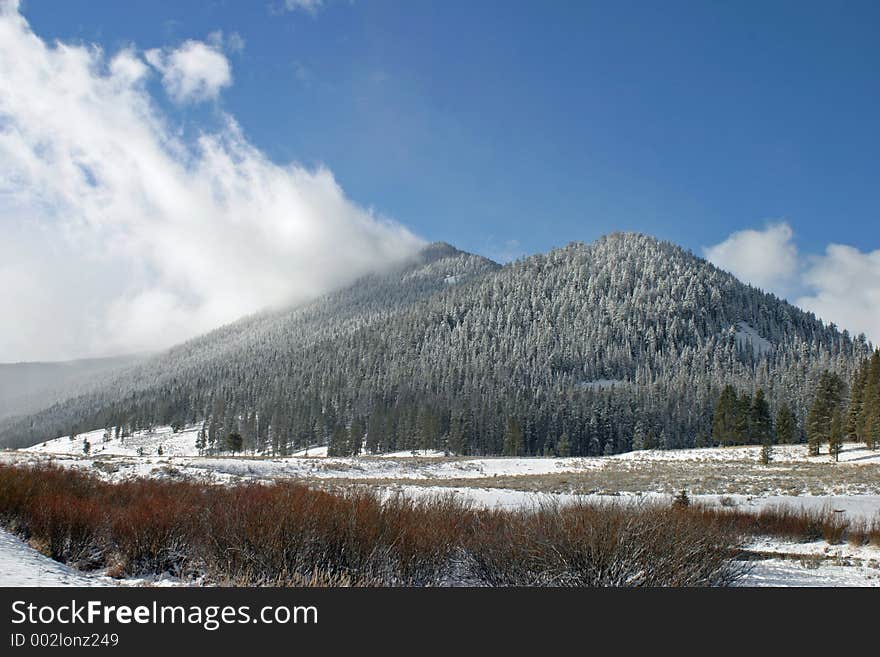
827,399
563,447
870,412
786,425
202,438
766,455
835,437
356,436
760,422
724,419
234,442
854,423
743,425
513,438
338,444
639,436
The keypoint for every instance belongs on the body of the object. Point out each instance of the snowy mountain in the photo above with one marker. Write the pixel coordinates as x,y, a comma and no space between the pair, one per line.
570,352
30,386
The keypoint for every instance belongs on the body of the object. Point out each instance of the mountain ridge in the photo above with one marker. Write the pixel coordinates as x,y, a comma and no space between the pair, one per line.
454,351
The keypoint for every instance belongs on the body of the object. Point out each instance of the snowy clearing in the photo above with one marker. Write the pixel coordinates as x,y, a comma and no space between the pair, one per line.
730,477
748,338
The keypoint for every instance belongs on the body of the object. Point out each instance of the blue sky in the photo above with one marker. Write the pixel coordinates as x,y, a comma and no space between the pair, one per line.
174,165
484,122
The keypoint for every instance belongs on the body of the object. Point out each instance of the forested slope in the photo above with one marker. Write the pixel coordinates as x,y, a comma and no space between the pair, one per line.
576,351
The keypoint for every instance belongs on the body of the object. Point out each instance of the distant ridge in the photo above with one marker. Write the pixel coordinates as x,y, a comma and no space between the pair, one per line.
575,351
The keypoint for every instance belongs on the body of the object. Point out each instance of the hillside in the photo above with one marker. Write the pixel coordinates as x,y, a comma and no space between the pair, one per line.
31,386
572,352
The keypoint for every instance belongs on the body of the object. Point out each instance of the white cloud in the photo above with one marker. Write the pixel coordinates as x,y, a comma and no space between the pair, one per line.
845,289
503,252
310,6
840,286
118,234
233,43
193,72
765,258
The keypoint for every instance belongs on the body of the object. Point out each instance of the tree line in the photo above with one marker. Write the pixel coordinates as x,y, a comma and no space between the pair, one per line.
835,414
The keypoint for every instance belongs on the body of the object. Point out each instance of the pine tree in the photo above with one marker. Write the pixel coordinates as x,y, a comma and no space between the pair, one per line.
356,436
338,444
760,422
234,442
835,437
827,399
563,447
786,425
513,438
870,412
766,455
639,437
742,422
201,439
724,420
854,423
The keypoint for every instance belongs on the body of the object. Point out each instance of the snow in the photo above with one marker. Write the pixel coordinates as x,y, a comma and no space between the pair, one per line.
182,443
318,451
853,454
746,337
21,565
812,564
414,453
118,461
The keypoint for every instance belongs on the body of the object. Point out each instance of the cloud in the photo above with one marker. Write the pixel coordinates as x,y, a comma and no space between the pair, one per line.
193,72
765,258
503,252
234,43
117,233
309,6
845,289
840,286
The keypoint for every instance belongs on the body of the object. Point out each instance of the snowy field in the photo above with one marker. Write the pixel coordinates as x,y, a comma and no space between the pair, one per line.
732,477
183,443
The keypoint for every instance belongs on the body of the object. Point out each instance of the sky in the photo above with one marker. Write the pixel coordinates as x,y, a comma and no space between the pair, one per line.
167,167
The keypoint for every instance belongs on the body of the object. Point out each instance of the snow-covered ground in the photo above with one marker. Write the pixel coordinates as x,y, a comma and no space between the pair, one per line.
747,336
146,443
21,565
183,443
812,564
853,507
855,454
723,476
180,443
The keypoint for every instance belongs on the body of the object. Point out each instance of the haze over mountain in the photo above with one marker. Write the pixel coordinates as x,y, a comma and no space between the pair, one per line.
577,351
29,386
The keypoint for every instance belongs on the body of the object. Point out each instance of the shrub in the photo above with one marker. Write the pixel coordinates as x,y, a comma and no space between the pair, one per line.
289,534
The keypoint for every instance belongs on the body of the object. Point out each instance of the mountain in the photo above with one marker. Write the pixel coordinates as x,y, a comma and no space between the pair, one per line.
575,351
30,386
